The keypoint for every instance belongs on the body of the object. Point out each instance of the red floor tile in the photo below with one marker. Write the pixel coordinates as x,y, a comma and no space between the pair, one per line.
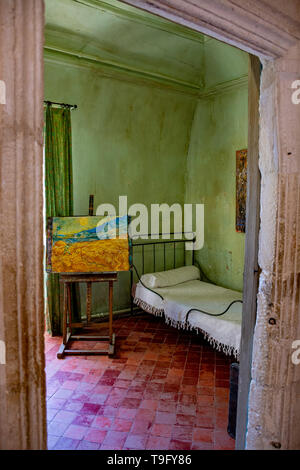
165,389
57,428
158,443
149,404
203,435
185,420
165,418
65,416
51,441
115,439
65,443
86,445
121,425
135,442
141,425
222,440
84,420
102,422
96,435
126,413
205,417
182,433
110,411
186,409
167,406
75,431
179,445
164,430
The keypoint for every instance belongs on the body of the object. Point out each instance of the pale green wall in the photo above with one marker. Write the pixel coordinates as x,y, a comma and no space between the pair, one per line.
127,139
220,128
222,63
119,34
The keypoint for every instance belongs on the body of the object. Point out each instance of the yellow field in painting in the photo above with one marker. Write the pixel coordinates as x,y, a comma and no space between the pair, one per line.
93,256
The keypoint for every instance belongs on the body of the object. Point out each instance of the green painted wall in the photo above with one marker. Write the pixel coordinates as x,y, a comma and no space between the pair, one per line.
127,139
119,34
222,63
220,128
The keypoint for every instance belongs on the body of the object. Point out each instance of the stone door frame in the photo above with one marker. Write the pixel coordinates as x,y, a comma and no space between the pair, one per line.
269,30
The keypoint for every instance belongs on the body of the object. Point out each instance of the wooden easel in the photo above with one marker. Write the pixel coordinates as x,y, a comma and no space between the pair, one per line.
67,280
68,324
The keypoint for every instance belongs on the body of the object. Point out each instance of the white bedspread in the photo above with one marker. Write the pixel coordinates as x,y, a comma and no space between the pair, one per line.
148,301
223,332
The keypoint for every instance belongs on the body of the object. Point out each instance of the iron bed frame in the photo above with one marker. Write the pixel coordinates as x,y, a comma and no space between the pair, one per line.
164,243
154,245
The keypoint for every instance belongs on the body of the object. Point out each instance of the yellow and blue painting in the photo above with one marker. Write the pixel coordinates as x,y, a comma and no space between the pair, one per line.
90,244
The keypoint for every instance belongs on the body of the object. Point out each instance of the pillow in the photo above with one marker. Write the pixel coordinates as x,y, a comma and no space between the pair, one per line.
171,277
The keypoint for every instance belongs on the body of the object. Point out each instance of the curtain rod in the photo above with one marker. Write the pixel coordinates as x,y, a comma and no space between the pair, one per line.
65,105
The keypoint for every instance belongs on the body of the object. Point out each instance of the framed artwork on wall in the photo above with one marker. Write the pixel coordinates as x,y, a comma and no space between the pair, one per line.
93,244
241,190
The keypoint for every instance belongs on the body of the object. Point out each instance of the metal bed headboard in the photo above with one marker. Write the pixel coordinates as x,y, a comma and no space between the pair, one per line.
154,244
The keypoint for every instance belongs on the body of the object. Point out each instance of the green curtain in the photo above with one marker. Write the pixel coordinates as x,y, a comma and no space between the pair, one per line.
59,196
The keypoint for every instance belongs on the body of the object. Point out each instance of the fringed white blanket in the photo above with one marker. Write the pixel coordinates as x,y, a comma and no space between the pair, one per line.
148,300
223,332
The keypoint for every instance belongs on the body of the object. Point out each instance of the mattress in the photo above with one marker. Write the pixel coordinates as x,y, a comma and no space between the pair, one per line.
178,303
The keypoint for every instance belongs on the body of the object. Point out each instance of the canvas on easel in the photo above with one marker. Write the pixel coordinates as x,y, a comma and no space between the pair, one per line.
92,244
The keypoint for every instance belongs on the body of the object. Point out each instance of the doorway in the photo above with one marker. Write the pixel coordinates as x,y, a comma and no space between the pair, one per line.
252,42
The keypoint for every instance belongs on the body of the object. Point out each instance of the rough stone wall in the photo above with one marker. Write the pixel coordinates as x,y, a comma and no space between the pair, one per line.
274,400
22,377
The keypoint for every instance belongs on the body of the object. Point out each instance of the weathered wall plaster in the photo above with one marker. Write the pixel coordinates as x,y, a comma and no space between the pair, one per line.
220,127
274,400
22,377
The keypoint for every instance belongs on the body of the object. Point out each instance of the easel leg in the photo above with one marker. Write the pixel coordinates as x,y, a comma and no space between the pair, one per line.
131,298
111,335
69,310
88,301
65,313
60,353
110,310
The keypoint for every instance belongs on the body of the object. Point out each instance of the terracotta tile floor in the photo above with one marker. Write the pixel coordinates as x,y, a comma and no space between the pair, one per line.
165,389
